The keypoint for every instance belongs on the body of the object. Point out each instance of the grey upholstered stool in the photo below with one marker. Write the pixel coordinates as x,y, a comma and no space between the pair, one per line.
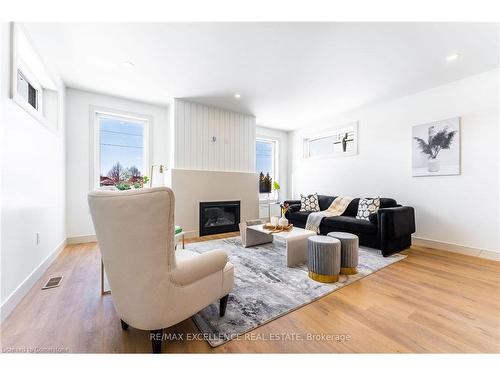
350,249
323,258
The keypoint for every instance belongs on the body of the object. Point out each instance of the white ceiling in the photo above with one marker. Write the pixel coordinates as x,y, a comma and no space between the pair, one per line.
288,74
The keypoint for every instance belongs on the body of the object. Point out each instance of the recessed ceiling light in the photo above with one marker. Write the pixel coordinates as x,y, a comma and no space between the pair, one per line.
128,64
452,57
237,96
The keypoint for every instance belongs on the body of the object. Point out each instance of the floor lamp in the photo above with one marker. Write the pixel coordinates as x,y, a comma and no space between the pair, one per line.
161,168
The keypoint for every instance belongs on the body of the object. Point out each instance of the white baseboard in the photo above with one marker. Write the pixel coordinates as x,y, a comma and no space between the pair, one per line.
81,239
191,234
17,295
456,248
92,237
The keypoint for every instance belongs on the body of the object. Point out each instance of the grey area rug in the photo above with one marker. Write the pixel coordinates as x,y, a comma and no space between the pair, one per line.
265,288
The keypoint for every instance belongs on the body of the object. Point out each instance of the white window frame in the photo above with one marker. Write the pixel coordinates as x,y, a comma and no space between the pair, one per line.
96,113
328,133
28,77
275,142
35,72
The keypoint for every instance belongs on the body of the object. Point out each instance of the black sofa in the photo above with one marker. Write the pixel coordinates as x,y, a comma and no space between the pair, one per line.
389,229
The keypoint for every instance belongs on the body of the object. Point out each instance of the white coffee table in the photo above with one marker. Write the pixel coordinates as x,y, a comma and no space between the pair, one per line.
295,240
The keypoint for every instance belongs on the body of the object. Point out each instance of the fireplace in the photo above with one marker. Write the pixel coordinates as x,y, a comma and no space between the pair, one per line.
219,217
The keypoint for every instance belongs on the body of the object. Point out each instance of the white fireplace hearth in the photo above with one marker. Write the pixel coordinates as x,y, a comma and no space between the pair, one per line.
191,187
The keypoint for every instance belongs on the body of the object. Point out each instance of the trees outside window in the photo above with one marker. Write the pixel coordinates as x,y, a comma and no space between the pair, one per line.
122,151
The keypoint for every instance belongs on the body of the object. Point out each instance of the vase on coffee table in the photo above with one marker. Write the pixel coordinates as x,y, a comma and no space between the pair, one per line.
283,221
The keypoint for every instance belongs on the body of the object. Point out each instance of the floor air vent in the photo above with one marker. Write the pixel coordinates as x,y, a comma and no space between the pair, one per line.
53,282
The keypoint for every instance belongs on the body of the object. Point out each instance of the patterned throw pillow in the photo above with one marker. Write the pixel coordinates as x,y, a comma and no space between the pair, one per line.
309,202
367,206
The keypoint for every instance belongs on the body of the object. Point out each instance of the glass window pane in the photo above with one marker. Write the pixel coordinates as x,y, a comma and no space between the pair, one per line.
22,86
264,157
333,144
26,91
32,97
121,151
265,163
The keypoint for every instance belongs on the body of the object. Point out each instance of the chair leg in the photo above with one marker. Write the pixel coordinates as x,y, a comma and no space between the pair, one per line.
156,340
124,325
103,292
223,305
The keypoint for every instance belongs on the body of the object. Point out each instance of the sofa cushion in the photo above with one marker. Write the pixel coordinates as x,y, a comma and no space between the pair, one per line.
325,201
352,209
349,224
366,207
309,203
300,216
387,203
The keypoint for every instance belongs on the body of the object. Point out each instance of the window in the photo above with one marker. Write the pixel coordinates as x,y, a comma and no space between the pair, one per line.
338,142
266,165
26,90
33,88
121,148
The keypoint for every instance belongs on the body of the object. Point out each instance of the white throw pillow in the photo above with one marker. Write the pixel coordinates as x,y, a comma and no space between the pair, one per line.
367,206
309,203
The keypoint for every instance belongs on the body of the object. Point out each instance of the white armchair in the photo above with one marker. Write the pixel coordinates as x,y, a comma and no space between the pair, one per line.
153,286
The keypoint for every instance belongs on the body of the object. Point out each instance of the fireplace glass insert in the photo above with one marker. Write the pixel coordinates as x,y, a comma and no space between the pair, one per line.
219,217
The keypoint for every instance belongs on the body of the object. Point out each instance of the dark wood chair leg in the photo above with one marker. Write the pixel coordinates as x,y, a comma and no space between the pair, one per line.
156,340
223,305
124,325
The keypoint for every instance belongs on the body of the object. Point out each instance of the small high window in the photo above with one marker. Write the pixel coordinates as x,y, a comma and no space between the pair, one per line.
336,142
26,90
33,87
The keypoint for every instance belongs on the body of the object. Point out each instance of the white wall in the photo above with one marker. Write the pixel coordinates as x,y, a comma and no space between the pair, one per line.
195,125
78,149
204,170
32,188
462,209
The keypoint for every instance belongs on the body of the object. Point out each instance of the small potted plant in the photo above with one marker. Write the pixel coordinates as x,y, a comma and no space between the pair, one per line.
277,187
436,142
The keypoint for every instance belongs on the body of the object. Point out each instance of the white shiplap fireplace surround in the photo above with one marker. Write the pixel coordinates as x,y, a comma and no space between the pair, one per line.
212,158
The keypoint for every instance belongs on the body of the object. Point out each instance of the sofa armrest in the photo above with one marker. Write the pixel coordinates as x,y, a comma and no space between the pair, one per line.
193,269
294,205
396,222
291,209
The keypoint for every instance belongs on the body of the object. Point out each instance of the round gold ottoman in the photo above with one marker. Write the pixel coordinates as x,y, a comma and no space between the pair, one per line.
349,252
323,258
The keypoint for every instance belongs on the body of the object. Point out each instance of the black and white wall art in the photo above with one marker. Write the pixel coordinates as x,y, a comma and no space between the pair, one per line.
436,148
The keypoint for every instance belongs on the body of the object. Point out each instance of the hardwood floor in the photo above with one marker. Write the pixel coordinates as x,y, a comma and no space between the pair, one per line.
433,301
